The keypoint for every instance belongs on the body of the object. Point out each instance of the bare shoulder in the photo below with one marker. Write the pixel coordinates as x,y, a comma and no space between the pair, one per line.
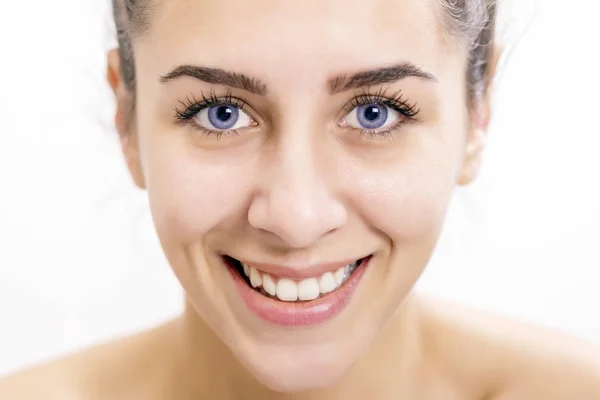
51,381
114,370
503,359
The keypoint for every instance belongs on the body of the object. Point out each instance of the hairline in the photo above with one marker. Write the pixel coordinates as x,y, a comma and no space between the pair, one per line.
449,23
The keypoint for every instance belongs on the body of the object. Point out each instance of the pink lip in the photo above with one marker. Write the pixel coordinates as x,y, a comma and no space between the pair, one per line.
302,313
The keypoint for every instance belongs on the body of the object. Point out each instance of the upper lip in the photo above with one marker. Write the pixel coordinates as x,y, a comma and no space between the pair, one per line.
298,271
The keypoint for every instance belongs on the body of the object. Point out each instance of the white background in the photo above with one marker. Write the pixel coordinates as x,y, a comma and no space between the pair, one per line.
79,261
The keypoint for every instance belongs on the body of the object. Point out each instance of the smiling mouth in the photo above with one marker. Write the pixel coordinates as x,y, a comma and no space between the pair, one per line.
289,290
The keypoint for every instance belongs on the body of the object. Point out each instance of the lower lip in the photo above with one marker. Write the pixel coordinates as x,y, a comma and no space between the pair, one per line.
301,313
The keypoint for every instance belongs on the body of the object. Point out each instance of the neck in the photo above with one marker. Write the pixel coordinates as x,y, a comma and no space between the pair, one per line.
390,368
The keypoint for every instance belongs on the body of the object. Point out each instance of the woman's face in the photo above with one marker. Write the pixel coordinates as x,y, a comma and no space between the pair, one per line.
299,137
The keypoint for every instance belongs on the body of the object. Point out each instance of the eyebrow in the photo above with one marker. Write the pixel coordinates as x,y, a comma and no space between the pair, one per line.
218,76
336,85
378,76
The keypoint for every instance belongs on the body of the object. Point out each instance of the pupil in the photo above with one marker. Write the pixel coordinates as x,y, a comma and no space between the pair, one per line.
372,113
224,113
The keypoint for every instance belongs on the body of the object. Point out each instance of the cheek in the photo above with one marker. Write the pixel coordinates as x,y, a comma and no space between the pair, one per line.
407,200
190,195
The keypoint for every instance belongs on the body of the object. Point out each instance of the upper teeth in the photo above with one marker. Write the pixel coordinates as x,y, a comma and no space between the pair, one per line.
289,290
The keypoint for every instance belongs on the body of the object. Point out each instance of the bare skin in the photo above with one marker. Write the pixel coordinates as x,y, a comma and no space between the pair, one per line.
301,183
455,354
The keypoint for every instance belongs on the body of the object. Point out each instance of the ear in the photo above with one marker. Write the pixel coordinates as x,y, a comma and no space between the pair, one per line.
481,114
124,117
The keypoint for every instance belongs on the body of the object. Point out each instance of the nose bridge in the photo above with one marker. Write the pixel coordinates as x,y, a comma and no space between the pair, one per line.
297,202
298,185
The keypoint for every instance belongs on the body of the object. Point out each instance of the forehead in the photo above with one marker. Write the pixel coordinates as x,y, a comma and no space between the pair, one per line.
278,37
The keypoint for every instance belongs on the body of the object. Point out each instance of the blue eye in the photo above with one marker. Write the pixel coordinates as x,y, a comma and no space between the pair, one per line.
371,117
223,117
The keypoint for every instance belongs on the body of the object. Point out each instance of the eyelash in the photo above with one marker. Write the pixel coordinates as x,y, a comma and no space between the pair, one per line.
397,102
192,106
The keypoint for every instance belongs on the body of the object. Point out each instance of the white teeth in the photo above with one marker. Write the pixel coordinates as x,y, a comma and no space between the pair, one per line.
308,289
269,285
255,278
287,290
339,275
327,283
305,290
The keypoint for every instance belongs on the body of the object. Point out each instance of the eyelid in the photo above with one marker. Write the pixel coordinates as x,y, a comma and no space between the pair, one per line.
192,106
188,110
407,112
396,101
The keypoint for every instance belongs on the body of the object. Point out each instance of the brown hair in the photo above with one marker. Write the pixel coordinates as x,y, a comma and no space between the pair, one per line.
473,21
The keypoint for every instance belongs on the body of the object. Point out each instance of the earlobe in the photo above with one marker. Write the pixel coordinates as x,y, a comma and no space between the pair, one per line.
124,118
130,148
473,157
476,140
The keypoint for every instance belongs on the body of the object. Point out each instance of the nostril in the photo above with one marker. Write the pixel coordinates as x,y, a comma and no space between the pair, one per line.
296,229
298,213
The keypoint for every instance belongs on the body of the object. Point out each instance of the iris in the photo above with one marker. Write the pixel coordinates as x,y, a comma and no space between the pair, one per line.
223,117
372,116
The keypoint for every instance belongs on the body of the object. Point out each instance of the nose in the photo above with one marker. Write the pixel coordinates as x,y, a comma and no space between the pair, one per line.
294,201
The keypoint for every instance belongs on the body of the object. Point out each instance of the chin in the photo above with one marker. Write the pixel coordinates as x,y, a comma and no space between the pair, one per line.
294,372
